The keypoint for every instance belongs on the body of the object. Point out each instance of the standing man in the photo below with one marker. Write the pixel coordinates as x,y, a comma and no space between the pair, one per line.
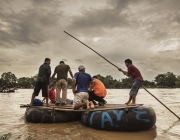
137,79
62,73
97,92
42,81
81,80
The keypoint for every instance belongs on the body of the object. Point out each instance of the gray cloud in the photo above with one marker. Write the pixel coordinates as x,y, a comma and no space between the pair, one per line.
78,61
30,26
145,31
161,18
64,59
106,17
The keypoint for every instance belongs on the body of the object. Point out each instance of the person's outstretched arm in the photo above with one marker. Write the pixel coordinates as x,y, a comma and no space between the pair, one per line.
52,77
124,72
91,86
70,72
54,74
73,85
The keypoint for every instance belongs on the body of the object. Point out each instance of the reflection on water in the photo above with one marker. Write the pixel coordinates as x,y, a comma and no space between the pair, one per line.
167,125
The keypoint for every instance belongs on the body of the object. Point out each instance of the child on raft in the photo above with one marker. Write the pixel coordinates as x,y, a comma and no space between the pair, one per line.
51,94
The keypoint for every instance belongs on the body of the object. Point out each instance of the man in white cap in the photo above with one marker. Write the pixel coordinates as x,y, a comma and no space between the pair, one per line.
81,80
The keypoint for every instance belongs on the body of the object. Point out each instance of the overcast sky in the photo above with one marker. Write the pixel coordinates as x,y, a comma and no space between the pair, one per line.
146,31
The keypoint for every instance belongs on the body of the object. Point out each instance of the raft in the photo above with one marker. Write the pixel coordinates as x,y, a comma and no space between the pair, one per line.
11,91
44,115
110,117
134,119
58,114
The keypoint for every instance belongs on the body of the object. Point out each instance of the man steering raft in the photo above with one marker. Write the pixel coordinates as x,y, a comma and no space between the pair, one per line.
42,81
137,79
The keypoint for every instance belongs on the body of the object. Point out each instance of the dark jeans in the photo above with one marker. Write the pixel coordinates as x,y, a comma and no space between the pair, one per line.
93,96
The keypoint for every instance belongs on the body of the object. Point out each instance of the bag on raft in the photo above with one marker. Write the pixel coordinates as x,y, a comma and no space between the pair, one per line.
37,102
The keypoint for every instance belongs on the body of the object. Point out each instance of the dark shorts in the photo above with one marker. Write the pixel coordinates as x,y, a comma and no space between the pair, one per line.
135,87
41,85
93,96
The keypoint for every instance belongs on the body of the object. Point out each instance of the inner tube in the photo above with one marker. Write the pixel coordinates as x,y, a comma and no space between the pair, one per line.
136,119
11,91
41,115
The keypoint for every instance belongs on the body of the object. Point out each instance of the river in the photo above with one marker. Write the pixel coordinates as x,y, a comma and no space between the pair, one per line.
167,125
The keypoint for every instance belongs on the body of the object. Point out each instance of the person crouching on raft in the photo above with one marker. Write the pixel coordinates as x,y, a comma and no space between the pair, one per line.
82,80
97,92
137,79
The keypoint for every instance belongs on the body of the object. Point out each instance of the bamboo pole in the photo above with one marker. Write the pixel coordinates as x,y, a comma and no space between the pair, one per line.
161,102
118,68
92,50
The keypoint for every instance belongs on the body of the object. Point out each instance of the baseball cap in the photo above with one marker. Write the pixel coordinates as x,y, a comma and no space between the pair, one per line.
81,67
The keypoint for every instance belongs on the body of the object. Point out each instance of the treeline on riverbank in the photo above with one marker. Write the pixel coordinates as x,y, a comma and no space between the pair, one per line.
166,80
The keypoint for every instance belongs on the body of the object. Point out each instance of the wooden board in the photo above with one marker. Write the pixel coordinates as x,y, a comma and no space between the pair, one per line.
97,108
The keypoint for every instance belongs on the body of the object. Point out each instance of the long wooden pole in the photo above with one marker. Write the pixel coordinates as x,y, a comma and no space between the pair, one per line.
161,103
118,67
92,49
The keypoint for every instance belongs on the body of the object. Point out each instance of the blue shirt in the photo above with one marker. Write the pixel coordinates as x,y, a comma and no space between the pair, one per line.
82,79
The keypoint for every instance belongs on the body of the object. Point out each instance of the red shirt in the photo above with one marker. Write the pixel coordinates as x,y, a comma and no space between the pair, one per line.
52,95
134,73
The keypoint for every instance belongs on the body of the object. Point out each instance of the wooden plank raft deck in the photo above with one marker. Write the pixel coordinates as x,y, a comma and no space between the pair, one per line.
69,107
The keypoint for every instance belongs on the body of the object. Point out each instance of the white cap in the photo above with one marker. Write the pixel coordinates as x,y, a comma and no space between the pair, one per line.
81,67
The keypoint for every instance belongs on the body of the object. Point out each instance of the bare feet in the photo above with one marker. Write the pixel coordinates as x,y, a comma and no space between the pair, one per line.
91,105
127,103
30,104
132,104
47,105
87,105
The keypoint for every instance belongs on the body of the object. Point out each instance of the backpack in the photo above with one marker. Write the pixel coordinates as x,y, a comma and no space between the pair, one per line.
37,102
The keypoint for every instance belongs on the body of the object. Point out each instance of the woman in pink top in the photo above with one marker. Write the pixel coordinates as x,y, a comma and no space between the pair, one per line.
137,79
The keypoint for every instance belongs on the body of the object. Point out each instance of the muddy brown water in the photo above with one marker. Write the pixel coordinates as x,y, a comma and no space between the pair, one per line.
167,125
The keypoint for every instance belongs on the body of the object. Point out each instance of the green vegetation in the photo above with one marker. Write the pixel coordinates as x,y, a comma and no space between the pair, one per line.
9,79
166,80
